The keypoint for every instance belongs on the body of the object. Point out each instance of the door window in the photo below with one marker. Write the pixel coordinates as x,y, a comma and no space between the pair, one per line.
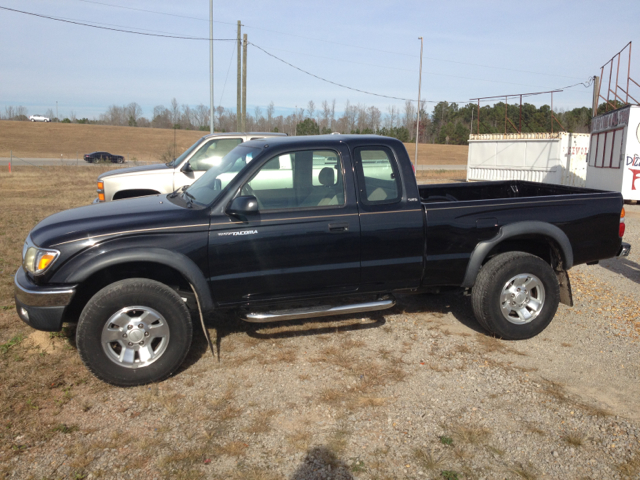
303,179
212,152
379,176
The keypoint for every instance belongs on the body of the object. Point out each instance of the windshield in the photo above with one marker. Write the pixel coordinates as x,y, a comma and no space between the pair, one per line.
207,188
187,152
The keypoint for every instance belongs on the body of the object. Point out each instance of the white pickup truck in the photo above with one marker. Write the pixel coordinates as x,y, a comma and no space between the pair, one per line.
166,178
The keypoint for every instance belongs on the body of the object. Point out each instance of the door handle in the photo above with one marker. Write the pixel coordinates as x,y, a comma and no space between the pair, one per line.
338,227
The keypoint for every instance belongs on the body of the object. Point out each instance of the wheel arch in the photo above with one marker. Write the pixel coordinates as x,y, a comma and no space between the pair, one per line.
168,267
528,237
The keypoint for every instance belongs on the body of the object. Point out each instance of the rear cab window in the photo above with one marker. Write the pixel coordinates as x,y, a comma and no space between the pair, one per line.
378,176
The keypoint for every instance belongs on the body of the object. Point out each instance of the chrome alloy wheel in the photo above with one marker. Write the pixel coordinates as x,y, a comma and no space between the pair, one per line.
522,298
135,337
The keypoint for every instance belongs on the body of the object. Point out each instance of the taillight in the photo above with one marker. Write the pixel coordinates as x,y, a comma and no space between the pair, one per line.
622,226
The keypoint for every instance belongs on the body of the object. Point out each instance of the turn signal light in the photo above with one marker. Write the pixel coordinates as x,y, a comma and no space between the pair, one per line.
101,197
100,185
622,226
45,260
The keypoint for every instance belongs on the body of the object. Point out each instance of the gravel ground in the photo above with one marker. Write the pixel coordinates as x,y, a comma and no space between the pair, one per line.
419,391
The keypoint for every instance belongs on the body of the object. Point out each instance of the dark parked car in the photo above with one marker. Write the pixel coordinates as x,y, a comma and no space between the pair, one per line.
103,156
286,228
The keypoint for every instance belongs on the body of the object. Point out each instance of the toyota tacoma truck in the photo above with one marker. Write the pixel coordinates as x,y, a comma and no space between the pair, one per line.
296,227
167,177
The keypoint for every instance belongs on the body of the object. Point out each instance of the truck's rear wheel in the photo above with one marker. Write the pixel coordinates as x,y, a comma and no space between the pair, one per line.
133,332
516,295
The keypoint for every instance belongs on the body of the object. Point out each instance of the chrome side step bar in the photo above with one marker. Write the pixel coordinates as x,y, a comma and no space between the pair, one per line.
317,311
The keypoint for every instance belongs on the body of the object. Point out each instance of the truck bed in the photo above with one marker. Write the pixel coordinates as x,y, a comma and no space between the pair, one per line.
496,190
460,216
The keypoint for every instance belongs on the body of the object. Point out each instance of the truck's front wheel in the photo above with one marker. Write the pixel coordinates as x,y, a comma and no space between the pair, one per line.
133,332
516,295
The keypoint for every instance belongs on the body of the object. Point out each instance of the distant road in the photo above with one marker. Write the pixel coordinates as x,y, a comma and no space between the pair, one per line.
55,162
52,162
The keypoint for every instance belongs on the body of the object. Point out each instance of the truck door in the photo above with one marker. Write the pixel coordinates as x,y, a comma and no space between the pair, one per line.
305,239
391,221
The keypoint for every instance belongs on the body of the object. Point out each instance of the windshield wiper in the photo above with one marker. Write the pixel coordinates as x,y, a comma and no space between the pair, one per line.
188,198
178,191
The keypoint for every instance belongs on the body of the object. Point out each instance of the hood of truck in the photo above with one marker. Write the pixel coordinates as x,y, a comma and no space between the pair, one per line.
92,224
141,170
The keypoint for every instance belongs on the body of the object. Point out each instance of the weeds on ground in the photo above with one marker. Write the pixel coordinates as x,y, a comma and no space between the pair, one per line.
15,340
575,439
526,472
631,467
470,434
428,460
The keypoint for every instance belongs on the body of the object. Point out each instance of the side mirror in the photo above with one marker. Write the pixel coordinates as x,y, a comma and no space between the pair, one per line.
244,205
186,168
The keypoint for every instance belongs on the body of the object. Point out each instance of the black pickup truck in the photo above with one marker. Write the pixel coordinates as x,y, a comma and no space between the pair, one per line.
290,228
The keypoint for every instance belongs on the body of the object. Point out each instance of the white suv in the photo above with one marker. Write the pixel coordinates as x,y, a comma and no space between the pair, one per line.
39,118
166,178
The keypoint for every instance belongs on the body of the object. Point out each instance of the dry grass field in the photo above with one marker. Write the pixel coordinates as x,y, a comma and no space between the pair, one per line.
415,392
51,140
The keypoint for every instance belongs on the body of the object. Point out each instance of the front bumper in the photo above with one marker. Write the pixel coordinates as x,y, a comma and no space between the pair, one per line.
41,307
625,248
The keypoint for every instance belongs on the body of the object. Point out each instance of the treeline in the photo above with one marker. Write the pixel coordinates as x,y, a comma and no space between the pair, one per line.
452,124
449,123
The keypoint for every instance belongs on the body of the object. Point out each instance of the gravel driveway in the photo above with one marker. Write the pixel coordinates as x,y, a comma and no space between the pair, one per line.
416,392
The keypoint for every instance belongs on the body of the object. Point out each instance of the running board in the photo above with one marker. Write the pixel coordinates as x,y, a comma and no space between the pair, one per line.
319,311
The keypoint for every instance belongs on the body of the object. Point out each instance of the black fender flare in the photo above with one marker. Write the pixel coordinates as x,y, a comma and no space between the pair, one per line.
513,230
83,266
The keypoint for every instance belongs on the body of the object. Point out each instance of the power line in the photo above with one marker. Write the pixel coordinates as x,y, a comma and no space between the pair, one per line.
233,54
121,30
332,42
324,79
154,11
335,83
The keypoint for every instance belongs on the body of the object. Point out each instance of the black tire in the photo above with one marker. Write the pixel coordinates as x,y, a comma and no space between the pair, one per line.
110,313
539,297
120,160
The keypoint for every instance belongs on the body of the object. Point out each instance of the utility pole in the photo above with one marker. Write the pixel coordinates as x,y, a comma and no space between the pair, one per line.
57,117
244,83
239,88
415,162
211,65
596,92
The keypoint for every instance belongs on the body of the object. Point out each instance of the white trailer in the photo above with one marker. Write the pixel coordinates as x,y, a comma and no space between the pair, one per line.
614,158
558,158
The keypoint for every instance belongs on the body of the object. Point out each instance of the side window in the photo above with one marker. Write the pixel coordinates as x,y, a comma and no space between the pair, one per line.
379,175
212,152
303,179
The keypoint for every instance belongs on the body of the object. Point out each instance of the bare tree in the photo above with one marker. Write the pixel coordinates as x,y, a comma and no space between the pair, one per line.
201,116
374,116
133,112
311,108
409,119
175,112
270,111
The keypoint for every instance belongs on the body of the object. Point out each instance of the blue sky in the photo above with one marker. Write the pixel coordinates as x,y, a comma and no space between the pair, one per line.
471,49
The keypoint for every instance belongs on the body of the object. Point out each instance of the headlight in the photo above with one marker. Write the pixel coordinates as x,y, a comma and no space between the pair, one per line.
36,260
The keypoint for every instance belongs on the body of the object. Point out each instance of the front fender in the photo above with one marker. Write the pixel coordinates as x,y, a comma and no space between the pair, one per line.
84,266
513,230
